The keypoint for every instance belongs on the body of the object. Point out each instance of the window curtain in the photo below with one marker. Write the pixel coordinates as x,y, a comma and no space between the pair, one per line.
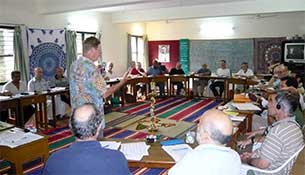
146,59
20,53
129,53
71,52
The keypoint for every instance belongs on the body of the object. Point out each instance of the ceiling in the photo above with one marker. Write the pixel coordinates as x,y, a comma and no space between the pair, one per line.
59,6
123,11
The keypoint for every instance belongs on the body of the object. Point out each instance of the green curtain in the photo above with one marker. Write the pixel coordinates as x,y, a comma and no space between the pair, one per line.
71,52
129,56
146,59
20,54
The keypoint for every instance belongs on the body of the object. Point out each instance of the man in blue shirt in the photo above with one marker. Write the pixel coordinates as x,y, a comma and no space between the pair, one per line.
86,156
155,70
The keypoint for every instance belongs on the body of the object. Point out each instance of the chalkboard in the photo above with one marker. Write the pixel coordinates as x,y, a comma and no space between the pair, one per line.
210,51
184,54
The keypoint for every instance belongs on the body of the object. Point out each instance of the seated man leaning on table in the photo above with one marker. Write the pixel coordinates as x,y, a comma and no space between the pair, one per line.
222,71
177,71
17,87
245,72
199,84
155,70
39,84
279,72
211,157
86,155
136,71
288,85
282,139
59,80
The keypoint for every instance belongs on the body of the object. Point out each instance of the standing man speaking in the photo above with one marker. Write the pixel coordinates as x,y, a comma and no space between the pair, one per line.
86,82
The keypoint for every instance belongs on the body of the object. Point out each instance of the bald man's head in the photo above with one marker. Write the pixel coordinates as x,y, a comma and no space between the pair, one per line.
38,73
85,121
214,127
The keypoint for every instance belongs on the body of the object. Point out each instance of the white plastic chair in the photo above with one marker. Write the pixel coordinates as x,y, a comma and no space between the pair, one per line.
245,167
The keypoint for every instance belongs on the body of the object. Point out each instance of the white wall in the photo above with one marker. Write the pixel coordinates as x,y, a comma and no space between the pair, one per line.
114,35
114,38
279,25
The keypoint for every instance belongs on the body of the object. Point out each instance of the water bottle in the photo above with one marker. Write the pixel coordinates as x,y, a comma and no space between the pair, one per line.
190,137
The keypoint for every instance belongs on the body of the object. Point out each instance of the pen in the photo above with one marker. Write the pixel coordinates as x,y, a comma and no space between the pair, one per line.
179,149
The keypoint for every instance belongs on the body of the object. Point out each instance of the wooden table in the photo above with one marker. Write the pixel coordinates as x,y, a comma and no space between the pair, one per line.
40,103
182,79
10,103
25,153
157,158
53,94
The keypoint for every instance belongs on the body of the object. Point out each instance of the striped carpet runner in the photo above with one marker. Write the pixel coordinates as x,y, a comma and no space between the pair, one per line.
172,108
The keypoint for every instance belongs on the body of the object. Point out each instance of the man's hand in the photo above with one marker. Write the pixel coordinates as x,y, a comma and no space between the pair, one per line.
125,77
246,157
242,144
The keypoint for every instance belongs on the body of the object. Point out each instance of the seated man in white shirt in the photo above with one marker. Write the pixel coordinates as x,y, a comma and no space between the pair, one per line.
222,71
110,74
211,157
15,87
244,72
38,84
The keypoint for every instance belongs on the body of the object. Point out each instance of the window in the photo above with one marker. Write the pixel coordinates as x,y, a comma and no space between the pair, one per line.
137,49
80,37
6,53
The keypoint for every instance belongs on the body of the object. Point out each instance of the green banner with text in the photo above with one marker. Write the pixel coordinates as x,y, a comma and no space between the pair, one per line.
184,54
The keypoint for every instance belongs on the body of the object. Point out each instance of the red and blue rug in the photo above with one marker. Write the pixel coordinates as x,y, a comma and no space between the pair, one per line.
173,108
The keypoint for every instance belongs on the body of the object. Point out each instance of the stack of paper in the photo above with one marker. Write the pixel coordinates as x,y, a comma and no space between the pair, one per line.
110,145
58,89
246,106
134,150
16,137
177,152
237,118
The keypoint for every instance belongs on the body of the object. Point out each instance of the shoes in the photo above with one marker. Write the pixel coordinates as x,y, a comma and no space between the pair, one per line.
30,128
59,116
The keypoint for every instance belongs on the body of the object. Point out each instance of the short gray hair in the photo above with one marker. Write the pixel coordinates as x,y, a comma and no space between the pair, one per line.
288,101
216,135
88,128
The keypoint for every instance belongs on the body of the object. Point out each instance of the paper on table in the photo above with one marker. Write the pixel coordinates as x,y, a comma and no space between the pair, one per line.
4,97
110,144
246,106
58,89
134,150
235,129
231,113
177,152
16,137
237,118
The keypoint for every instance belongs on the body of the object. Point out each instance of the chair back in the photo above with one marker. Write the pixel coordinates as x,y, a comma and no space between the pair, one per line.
245,167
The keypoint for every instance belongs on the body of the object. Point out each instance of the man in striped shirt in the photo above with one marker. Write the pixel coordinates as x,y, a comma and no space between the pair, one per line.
283,139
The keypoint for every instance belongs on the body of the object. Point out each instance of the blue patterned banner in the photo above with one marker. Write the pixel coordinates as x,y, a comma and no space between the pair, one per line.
47,49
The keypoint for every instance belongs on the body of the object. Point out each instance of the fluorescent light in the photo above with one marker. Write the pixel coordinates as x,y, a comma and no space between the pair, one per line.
216,29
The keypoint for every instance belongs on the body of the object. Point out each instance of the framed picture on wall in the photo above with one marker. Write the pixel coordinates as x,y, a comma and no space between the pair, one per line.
163,53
